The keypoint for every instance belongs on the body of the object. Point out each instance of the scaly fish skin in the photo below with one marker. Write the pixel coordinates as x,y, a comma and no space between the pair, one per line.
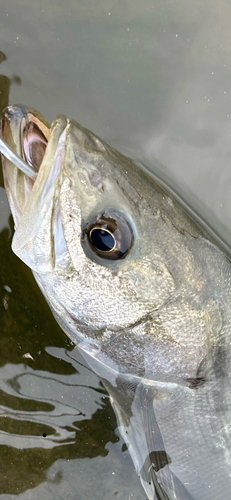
139,288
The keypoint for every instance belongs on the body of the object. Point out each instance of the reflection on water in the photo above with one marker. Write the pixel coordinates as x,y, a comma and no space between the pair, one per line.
47,417
5,83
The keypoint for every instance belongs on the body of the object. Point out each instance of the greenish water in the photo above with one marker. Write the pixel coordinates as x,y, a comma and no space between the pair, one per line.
153,79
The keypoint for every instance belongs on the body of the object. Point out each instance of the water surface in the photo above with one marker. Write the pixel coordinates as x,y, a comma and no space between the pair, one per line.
153,79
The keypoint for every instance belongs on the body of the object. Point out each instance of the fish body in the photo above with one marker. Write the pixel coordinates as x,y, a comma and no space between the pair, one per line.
142,291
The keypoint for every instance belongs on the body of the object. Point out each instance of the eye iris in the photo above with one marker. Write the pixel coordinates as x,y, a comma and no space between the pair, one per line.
102,239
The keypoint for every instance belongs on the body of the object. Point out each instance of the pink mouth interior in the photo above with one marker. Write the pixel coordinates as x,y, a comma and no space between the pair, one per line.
35,136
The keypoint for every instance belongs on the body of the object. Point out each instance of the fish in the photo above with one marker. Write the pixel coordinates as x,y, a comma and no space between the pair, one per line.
140,288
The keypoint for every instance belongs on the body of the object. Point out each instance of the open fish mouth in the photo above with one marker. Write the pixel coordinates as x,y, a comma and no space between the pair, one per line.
27,133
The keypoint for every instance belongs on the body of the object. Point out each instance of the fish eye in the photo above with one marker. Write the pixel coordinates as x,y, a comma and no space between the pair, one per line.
110,236
34,145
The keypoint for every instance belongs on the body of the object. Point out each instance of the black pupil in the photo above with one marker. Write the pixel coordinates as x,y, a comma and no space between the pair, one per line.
102,240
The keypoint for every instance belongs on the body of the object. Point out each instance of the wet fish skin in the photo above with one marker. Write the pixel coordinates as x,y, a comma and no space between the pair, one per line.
154,325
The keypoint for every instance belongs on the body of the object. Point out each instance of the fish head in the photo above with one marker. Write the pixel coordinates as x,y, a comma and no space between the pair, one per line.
107,245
